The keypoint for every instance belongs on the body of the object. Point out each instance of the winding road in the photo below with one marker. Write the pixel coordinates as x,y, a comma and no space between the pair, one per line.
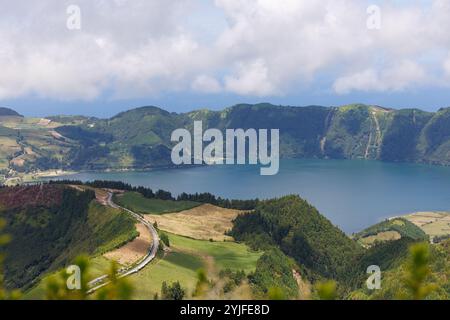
124,272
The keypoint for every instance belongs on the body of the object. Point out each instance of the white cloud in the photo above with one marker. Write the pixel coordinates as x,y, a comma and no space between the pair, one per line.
206,84
396,78
300,39
251,79
132,48
447,66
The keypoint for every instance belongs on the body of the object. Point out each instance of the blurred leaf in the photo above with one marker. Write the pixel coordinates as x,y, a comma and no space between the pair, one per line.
276,293
418,271
327,290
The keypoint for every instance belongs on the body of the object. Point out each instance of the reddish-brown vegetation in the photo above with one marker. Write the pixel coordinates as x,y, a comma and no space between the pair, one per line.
38,195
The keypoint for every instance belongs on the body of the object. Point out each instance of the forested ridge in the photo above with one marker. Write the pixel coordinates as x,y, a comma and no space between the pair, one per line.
140,138
50,225
290,228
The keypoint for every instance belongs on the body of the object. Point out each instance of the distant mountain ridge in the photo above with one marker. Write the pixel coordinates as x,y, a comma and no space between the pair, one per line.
8,112
140,138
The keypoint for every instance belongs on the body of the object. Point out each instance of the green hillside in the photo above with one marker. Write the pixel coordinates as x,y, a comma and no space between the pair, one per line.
181,263
285,249
138,203
140,138
51,225
302,233
426,276
8,112
290,228
398,226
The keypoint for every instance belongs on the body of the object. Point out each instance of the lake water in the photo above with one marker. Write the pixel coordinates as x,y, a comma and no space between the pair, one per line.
352,194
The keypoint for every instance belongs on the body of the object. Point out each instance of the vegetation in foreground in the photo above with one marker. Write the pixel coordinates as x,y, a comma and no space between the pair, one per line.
423,274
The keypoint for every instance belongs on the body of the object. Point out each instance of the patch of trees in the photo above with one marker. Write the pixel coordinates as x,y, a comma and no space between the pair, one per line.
218,201
172,292
164,238
233,279
86,137
166,195
401,138
89,157
117,185
439,239
151,155
302,233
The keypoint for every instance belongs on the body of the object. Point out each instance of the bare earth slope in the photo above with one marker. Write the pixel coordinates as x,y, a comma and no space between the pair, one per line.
435,224
134,250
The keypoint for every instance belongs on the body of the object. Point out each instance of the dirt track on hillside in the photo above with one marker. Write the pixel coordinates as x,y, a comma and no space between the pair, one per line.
134,250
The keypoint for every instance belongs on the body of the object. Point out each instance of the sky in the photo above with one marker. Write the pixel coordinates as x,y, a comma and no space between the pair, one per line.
100,57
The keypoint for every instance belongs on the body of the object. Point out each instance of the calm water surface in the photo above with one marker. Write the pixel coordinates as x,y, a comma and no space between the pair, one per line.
352,194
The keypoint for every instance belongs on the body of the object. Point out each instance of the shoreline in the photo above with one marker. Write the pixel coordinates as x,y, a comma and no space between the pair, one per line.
70,174
58,173
121,170
62,172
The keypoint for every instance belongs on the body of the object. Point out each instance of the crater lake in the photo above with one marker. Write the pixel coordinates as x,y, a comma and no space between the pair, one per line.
353,194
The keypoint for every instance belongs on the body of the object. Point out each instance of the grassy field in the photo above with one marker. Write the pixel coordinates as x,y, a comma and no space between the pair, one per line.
20,123
176,266
8,147
381,237
138,203
98,267
112,227
37,292
204,222
186,258
226,255
181,264
435,224
388,230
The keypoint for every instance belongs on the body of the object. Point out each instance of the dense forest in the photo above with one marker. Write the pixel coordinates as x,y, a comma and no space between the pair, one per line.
301,232
290,228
